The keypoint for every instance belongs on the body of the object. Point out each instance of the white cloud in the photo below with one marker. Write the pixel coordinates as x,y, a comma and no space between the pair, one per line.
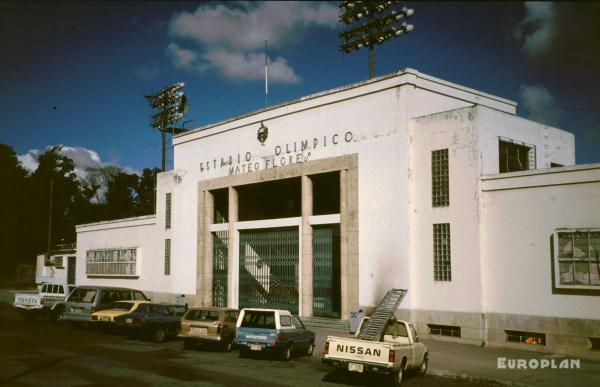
230,38
147,73
540,105
537,30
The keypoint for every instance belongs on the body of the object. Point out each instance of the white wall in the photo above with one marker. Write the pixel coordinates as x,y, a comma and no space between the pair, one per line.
140,232
456,131
520,213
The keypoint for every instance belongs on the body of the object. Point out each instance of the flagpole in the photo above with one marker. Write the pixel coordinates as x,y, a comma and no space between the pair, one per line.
266,76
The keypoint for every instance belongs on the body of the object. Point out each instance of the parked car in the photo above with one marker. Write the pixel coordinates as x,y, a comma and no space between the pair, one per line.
153,320
85,300
209,325
117,308
48,302
273,330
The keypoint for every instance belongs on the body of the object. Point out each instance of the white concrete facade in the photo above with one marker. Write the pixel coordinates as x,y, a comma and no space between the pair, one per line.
379,136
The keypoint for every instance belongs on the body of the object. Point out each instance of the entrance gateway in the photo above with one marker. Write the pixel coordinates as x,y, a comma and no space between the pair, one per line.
281,240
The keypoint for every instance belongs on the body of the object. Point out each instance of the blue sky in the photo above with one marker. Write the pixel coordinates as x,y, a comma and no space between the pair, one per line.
75,73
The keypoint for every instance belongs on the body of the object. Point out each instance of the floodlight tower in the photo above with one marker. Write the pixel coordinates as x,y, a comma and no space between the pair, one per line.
169,105
371,22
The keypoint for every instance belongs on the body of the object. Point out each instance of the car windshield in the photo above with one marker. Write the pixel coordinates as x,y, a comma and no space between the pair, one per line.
121,306
203,314
258,319
83,295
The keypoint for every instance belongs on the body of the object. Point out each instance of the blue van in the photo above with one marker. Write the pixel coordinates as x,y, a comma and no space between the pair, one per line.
272,330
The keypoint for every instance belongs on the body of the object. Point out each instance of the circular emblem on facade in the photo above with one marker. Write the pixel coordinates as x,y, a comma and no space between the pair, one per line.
263,133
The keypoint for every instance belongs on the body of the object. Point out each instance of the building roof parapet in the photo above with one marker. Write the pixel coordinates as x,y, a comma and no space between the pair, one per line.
140,220
405,76
573,174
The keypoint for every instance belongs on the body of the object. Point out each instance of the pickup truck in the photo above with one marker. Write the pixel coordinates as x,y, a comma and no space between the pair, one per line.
49,302
398,350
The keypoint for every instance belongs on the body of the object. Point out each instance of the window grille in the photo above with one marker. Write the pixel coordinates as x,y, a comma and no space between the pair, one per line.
444,330
441,252
577,259
440,192
534,338
111,262
168,211
167,257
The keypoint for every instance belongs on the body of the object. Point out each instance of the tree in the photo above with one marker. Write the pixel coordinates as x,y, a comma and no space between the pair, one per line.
121,195
12,204
146,192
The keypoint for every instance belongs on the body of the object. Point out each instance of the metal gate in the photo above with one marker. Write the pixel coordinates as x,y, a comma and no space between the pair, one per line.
268,272
326,271
219,288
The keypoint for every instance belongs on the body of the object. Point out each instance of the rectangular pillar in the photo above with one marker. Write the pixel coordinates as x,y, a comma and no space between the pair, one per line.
307,250
233,209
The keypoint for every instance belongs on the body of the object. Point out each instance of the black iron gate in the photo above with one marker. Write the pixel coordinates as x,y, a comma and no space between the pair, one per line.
219,288
326,271
268,275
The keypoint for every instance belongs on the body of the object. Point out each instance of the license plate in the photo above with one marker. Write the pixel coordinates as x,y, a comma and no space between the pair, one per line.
255,347
199,331
128,321
76,310
104,318
355,367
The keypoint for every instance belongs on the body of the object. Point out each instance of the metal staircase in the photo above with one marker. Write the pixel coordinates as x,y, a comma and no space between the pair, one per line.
373,328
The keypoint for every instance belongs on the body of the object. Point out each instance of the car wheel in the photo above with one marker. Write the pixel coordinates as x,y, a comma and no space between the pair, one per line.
423,367
286,353
310,349
159,335
396,377
188,344
227,345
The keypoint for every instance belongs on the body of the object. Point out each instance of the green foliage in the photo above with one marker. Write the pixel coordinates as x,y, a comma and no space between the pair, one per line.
102,194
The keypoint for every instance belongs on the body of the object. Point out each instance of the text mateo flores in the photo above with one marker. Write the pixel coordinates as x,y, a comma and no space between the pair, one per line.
533,364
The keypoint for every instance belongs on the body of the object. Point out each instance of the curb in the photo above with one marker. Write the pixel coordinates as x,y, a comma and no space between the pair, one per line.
471,378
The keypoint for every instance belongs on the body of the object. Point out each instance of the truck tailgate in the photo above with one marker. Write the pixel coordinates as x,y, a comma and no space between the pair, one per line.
28,300
350,349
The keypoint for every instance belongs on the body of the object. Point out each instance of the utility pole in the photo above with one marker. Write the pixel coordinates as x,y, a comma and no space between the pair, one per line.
50,221
382,23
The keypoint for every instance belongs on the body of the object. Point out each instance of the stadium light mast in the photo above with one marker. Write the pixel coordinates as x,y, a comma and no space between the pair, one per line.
169,106
370,23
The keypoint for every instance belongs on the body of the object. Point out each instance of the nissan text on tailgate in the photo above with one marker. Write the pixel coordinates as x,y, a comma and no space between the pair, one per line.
272,330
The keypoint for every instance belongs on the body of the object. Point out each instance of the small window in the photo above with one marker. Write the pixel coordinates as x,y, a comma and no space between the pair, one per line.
60,289
139,296
594,343
167,257
577,259
514,156
58,262
168,211
442,268
533,338
555,165
44,288
444,330
285,321
440,191
414,333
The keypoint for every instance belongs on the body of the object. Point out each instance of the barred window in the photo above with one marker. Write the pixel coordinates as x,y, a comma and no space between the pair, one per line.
441,252
111,262
577,259
167,256
440,192
168,211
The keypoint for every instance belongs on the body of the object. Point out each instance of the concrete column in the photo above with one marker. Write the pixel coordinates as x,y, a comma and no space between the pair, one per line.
233,213
203,294
307,253
344,243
